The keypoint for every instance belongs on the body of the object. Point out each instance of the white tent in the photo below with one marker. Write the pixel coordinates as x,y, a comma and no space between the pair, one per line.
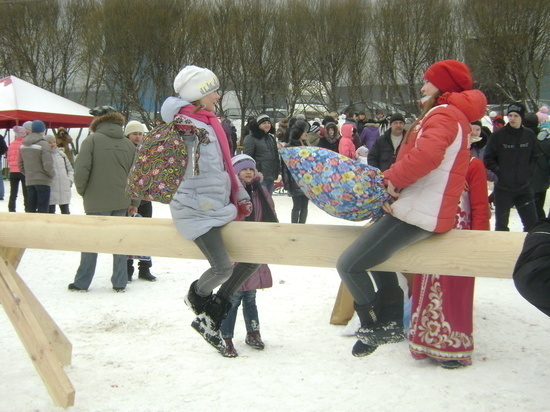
21,101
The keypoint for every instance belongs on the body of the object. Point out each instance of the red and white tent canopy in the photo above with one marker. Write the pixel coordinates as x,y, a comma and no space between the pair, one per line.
21,101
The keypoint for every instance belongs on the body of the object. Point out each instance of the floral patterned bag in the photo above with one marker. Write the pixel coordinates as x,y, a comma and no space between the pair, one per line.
160,162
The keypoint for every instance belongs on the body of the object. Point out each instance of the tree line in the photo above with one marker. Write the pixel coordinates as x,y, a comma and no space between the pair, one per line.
268,52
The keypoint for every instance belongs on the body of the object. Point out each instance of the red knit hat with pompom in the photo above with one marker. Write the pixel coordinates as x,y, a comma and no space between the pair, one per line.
450,76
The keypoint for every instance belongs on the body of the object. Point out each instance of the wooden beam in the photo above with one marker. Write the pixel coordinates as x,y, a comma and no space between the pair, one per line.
21,314
459,252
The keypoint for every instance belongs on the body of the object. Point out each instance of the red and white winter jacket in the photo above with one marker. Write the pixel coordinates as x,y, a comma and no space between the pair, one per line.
431,166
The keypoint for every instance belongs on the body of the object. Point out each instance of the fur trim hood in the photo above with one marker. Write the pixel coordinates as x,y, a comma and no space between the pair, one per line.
116,118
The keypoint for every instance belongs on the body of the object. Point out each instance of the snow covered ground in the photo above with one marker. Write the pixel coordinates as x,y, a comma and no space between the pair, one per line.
136,351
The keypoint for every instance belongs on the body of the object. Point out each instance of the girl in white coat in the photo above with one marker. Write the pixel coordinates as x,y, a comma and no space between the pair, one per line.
63,180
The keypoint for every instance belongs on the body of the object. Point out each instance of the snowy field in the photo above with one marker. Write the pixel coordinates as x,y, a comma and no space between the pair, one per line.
136,351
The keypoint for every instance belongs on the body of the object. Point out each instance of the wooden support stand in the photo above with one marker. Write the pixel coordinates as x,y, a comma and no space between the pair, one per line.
459,252
45,343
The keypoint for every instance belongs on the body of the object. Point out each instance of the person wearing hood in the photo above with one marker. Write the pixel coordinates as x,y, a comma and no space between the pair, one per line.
426,182
261,145
332,137
346,146
16,176
36,163
209,197
100,175
64,141
511,153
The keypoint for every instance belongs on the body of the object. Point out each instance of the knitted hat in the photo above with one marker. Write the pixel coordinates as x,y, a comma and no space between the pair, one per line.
49,138
243,161
301,116
38,126
19,131
314,128
518,108
542,114
450,76
134,127
194,82
262,118
28,125
102,110
397,117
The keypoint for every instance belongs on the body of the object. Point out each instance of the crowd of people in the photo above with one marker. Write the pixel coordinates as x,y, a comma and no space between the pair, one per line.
437,169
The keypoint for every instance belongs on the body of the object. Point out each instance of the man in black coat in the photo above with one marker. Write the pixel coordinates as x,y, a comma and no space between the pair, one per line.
384,150
512,153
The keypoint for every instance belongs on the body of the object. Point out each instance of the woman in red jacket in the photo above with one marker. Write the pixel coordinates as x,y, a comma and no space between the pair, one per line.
427,181
346,146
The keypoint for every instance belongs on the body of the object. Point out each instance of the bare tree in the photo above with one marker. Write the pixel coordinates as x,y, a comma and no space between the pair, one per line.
408,36
511,46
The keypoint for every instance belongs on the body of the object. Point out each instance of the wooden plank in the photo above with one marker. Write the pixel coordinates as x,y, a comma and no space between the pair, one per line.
12,255
57,339
33,338
459,252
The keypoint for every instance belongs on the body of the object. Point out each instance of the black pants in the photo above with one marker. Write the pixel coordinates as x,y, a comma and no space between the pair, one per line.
523,200
15,179
540,198
299,209
64,209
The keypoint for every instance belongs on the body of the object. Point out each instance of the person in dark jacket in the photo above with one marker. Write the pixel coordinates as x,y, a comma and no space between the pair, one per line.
332,137
263,211
384,150
511,153
541,175
261,145
298,137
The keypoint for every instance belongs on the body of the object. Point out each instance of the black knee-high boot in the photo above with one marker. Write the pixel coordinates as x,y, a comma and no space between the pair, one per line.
388,327
368,316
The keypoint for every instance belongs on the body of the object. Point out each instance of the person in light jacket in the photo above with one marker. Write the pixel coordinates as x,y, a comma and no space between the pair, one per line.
63,181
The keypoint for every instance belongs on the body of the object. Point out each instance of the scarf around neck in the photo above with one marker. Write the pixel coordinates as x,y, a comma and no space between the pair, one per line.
210,118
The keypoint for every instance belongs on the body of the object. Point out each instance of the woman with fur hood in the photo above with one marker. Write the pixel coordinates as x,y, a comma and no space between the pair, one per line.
426,181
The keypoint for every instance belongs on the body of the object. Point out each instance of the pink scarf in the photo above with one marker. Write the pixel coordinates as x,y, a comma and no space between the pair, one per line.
210,118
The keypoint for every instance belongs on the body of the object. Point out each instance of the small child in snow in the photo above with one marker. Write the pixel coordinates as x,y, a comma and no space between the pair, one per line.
263,211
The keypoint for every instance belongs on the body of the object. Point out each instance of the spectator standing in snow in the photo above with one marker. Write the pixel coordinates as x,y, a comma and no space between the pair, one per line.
134,131
16,177
3,151
63,180
36,163
332,137
263,211
512,153
64,141
101,174
384,150
261,145
300,202
346,146
427,181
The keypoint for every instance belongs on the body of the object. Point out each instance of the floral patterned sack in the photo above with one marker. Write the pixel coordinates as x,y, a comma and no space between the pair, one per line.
338,185
160,163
